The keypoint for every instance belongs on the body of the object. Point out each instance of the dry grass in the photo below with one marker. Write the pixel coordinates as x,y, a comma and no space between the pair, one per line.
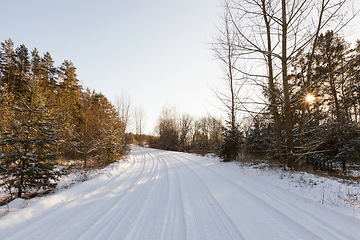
353,173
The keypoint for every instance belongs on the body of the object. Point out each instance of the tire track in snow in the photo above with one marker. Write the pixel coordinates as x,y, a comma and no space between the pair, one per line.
204,216
117,222
283,200
311,219
56,221
174,222
284,223
153,208
89,220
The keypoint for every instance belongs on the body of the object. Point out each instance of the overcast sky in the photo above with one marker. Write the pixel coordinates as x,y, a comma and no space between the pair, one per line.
155,51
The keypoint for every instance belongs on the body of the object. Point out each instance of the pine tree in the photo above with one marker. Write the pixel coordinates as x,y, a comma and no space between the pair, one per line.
352,88
68,106
330,71
49,77
29,156
6,98
23,68
7,64
232,142
258,141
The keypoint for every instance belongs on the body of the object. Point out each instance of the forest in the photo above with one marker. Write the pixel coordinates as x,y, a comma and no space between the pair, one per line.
48,120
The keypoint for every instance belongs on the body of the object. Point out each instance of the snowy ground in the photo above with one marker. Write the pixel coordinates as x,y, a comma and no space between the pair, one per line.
167,195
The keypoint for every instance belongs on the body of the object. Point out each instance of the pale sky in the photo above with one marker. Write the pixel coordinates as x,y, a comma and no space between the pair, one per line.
155,51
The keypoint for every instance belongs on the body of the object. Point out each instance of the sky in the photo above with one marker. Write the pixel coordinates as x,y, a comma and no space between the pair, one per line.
154,51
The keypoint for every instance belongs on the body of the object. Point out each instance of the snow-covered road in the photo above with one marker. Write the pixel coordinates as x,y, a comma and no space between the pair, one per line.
168,195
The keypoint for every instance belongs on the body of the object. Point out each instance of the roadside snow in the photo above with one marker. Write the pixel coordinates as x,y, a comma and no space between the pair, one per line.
340,195
167,195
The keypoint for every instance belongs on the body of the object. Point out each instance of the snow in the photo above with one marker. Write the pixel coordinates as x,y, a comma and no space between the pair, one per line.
168,195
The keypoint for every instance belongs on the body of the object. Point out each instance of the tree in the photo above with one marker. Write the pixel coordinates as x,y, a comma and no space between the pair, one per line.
87,138
86,121
185,130
112,132
8,69
68,105
123,106
99,135
201,141
215,134
6,99
352,89
29,147
273,34
48,78
167,130
225,51
330,61
259,140
232,143
23,68
139,117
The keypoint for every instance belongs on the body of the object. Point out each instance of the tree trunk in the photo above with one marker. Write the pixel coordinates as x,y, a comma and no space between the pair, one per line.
272,90
288,116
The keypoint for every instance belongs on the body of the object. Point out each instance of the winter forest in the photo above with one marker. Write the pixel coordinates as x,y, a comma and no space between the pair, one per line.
47,119
304,112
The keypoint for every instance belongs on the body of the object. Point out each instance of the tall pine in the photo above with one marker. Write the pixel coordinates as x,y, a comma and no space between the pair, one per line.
29,147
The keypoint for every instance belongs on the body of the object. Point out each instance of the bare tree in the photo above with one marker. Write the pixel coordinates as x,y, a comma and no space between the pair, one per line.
225,51
186,125
272,34
123,105
139,117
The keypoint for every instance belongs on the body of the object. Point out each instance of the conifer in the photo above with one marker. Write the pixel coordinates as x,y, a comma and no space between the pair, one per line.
29,147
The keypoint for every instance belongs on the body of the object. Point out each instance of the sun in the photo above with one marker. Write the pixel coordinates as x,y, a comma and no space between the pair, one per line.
310,98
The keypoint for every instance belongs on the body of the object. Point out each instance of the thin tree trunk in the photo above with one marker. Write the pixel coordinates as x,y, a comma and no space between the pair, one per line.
288,117
273,107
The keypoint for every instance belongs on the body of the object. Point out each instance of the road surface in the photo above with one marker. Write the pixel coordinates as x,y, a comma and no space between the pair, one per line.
168,195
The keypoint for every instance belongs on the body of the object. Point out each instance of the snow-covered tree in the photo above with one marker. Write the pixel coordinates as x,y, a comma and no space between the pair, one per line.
29,146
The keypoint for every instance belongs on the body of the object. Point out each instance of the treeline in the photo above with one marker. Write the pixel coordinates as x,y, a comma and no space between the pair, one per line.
46,117
184,133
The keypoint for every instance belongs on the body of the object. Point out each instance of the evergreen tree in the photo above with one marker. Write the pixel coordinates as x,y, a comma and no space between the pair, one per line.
330,71
6,98
232,142
7,64
340,147
49,74
352,88
258,141
68,106
29,147
23,68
